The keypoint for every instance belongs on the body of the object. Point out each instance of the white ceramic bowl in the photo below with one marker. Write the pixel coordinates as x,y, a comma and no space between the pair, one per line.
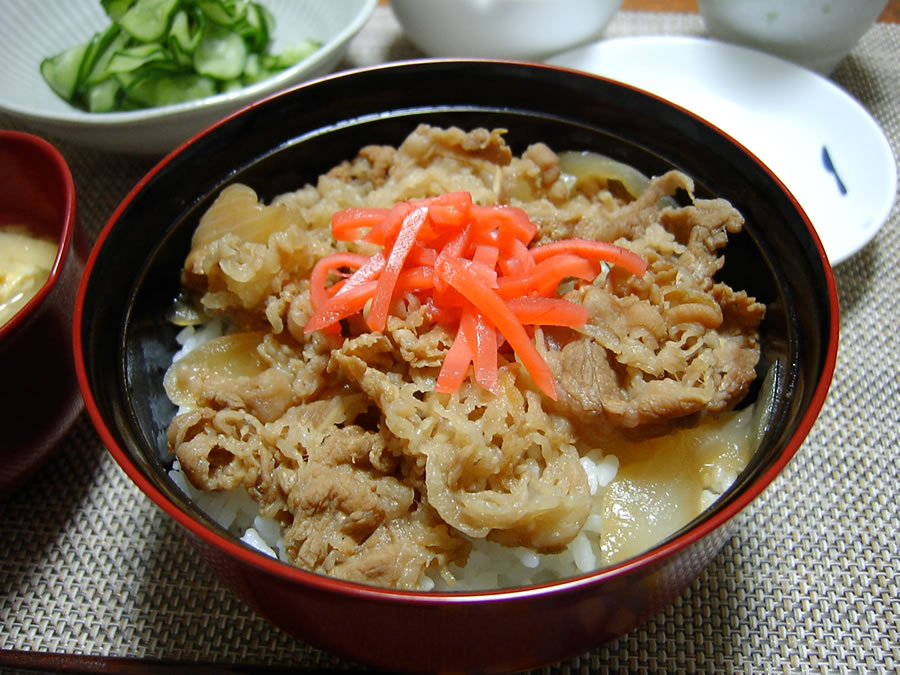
31,31
817,34
514,29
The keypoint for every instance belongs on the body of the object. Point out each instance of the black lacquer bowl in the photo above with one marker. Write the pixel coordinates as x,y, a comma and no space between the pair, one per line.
123,343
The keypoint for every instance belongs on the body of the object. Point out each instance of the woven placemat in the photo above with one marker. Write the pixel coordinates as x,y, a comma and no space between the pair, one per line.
808,582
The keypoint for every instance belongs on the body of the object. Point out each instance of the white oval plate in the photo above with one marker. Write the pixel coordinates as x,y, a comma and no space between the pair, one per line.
819,141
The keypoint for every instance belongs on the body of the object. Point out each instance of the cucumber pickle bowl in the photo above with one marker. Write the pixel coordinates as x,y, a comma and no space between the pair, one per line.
124,344
36,33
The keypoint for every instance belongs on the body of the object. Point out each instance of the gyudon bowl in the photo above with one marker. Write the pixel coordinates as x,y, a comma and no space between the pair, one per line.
289,408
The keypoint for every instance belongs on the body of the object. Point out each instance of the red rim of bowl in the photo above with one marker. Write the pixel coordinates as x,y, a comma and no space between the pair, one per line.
67,231
285,571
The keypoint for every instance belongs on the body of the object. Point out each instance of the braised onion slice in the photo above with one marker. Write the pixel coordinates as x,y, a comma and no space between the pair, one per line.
185,312
593,171
226,357
237,210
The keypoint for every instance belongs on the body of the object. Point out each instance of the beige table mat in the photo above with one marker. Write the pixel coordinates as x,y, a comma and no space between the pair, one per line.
809,582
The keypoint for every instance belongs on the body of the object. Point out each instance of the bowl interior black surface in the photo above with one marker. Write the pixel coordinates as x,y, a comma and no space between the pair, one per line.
291,139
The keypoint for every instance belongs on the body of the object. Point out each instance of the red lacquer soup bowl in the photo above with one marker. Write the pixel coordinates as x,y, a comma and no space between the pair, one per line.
41,398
